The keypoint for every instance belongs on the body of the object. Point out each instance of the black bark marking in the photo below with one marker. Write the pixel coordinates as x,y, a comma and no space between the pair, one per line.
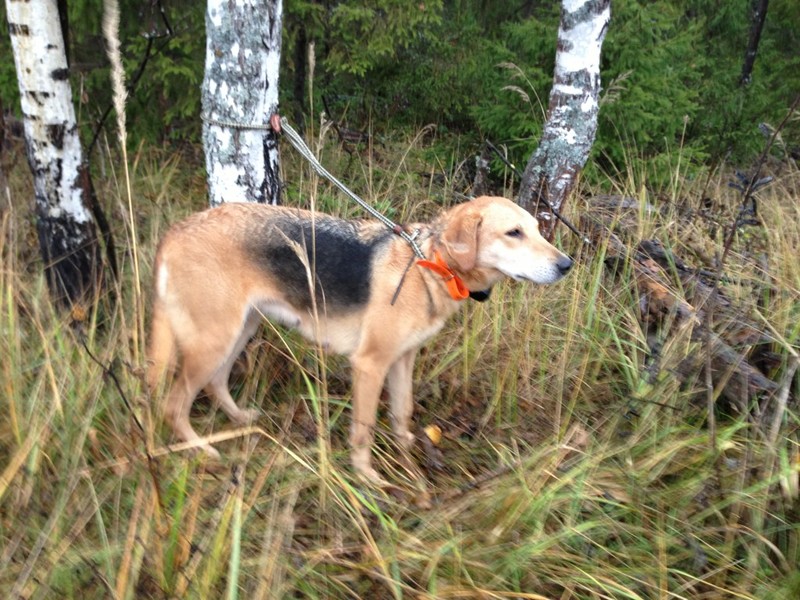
71,257
60,74
55,135
585,13
37,97
271,188
18,29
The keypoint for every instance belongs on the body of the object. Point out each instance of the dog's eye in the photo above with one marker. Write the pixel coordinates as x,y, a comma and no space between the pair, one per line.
514,233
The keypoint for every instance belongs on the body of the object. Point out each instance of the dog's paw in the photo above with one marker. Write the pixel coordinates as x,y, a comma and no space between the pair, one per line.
208,451
373,478
406,439
245,416
362,464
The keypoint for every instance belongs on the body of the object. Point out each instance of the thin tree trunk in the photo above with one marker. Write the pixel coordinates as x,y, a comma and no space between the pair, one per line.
759,16
5,193
300,63
572,113
240,94
67,235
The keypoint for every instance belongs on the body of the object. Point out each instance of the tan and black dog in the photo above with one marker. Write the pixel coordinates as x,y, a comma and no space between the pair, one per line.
345,284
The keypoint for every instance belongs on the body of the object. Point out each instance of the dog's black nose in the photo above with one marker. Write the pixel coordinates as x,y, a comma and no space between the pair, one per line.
564,264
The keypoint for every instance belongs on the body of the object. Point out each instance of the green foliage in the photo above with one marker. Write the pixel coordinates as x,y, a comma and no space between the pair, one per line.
9,91
371,31
670,71
513,110
439,78
654,92
166,103
164,69
165,100
729,113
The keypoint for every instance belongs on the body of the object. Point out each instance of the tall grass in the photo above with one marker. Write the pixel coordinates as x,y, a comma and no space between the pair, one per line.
567,470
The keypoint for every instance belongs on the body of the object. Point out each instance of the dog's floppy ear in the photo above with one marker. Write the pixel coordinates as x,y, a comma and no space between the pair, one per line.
460,238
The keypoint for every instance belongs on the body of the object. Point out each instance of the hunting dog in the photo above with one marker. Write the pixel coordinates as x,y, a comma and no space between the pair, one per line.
351,286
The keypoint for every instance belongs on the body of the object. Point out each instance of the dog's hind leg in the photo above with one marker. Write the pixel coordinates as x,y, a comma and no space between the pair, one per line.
195,373
399,382
218,386
207,354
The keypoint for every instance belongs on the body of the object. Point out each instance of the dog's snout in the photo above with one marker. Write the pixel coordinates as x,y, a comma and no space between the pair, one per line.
564,264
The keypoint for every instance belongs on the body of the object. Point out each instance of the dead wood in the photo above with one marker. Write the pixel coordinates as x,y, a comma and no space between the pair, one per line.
663,282
480,185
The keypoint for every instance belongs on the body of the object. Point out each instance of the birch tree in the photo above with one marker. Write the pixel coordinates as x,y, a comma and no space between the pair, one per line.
240,95
571,124
67,235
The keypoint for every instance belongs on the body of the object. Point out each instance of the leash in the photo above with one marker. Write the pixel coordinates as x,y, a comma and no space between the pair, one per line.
455,286
280,124
297,141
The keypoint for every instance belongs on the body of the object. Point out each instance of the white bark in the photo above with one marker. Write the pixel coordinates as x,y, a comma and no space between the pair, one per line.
240,93
67,235
572,114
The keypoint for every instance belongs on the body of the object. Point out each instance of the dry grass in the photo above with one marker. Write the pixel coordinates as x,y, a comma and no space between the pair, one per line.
567,472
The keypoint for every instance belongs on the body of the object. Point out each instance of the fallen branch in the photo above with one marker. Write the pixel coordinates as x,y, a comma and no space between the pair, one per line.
736,377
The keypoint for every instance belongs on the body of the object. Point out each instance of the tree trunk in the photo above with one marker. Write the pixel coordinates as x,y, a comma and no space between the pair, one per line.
572,113
67,235
300,64
240,94
5,192
757,25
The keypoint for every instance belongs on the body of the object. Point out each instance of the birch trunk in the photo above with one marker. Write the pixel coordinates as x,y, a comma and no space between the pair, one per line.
240,94
572,112
67,235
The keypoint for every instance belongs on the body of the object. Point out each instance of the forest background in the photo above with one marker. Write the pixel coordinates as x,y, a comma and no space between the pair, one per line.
672,72
574,442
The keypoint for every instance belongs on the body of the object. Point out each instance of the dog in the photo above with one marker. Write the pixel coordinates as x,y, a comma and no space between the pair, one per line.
353,287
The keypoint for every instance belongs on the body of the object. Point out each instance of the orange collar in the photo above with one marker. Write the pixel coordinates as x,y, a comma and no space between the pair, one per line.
455,285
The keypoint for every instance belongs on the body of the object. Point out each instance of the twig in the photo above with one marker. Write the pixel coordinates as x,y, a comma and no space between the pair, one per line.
751,187
711,300
134,80
781,399
136,76
108,372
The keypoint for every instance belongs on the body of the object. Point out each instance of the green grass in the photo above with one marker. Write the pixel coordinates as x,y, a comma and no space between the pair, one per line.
569,470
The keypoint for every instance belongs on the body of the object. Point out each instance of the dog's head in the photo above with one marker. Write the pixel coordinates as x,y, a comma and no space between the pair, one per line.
491,238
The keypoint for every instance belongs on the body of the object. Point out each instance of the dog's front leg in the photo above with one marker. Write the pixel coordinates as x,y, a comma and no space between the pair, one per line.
368,376
400,382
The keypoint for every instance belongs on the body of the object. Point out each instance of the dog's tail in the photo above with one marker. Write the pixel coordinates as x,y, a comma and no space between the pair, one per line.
161,348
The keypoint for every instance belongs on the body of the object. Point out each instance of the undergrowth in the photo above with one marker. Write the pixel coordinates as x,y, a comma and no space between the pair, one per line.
565,468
